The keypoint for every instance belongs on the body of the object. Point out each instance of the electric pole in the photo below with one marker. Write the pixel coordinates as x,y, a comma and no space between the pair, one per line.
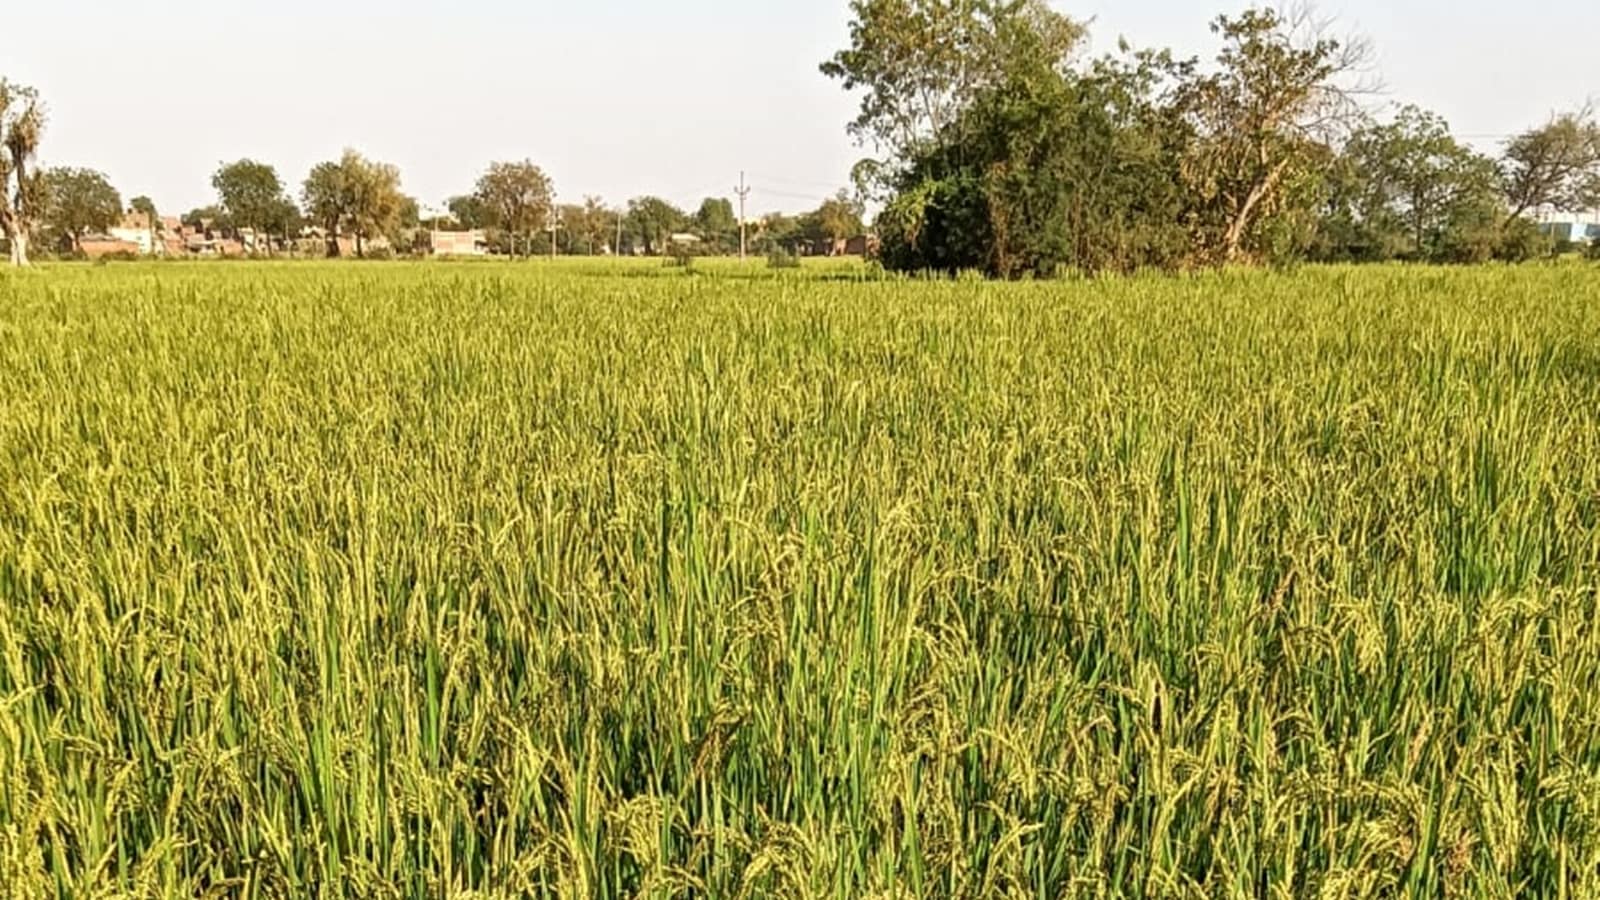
743,191
555,222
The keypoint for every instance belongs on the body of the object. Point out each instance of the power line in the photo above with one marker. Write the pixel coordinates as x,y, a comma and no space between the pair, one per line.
791,195
798,182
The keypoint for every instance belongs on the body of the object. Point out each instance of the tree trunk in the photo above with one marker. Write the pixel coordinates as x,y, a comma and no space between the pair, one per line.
19,249
361,246
1234,237
1419,213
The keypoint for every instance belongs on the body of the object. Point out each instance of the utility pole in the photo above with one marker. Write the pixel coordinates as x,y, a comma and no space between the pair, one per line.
743,190
555,221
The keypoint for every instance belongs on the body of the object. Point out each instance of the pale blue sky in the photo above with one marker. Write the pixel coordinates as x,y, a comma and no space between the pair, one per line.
621,97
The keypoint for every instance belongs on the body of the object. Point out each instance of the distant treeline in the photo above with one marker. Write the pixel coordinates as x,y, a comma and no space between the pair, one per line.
356,205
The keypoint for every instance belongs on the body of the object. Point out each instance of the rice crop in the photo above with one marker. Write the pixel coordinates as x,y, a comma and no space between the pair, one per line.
567,580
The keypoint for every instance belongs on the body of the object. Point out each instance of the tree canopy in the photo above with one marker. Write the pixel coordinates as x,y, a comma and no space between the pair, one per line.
252,195
468,211
143,204
516,197
80,201
919,64
839,219
716,225
650,221
353,195
590,227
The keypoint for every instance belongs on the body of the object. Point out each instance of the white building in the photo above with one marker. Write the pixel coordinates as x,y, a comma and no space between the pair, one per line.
458,243
1580,227
135,228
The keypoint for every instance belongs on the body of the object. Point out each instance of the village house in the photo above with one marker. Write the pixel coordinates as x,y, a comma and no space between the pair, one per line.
172,237
314,239
1575,227
862,245
136,229
458,243
97,246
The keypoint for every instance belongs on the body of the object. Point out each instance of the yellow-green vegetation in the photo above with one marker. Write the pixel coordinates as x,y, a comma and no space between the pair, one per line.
612,580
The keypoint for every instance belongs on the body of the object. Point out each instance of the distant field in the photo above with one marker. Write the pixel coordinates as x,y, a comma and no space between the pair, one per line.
604,580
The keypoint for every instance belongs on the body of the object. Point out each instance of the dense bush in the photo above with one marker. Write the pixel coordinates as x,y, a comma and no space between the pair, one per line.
679,254
782,258
1521,240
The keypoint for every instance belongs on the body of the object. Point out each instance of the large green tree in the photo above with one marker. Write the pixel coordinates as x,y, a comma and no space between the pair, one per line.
283,219
22,193
80,201
518,198
355,196
599,225
404,230
777,232
650,221
252,194
324,197
588,227
922,67
717,225
1037,164
839,219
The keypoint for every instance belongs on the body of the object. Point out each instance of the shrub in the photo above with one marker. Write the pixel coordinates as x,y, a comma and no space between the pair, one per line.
1521,241
680,254
782,258
1467,245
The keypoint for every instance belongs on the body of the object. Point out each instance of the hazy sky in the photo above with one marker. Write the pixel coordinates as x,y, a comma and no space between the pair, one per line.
620,97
